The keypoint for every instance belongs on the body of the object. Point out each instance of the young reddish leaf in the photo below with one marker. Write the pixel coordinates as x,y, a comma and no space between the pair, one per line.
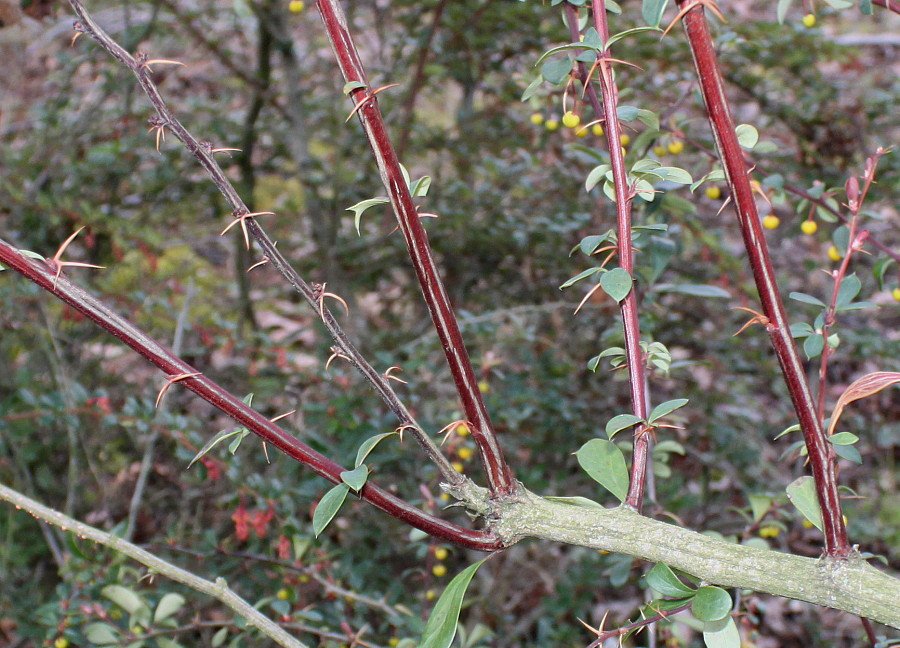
866,386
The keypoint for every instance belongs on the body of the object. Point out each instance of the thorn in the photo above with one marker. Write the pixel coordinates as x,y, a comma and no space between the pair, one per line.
407,426
242,218
148,62
281,416
758,318
158,124
322,297
724,205
335,354
387,374
367,98
57,262
586,297
171,381
224,150
452,428
263,262
709,4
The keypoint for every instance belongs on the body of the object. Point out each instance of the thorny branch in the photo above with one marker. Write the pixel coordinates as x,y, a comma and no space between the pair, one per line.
204,153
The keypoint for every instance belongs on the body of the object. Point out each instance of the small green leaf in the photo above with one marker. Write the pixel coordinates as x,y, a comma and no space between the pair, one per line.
219,638
581,275
532,88
420,187
666,408
801,330
167,606
806,299
555,71
802,493
848,452
595,176
783,6
843,438
696,290
616,283
359,208
848,291
747,136
711,603
328,507
721,634
221,435
879,269
589,244
618,423
759,506
630,32
663,580
813,345
350,86
604,462
123,597
356,478
652,11
668,446
368,445
101,634
440,629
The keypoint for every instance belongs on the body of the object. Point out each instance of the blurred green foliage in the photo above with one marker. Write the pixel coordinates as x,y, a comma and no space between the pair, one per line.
76,410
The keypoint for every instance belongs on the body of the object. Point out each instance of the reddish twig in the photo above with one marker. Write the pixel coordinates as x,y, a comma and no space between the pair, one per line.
42,274
628,306
499,475
722,124
204,153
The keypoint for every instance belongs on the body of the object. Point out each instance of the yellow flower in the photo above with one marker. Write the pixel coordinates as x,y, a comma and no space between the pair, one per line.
833,254
809,20
551,124
430,595
675,147
464,453
444,497
807,524
713,192
581,132
769,531
440,553
61,642
660,150
483,386
771,221
808,227
295,6
570,119
895,293
283,594
597,130
393,641
457,466
537,119
462,429
624,139
439,570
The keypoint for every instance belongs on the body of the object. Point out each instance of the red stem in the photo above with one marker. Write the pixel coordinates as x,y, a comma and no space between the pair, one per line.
820,458
624,249
43,276
499,475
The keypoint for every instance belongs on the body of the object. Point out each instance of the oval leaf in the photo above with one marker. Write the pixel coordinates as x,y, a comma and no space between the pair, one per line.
721,634
101,633
802,493
440,629
167,606
123,597
747,136
368,445
356,478
328,507
604,463
666,408
616,283
663,580
620,422
711,603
